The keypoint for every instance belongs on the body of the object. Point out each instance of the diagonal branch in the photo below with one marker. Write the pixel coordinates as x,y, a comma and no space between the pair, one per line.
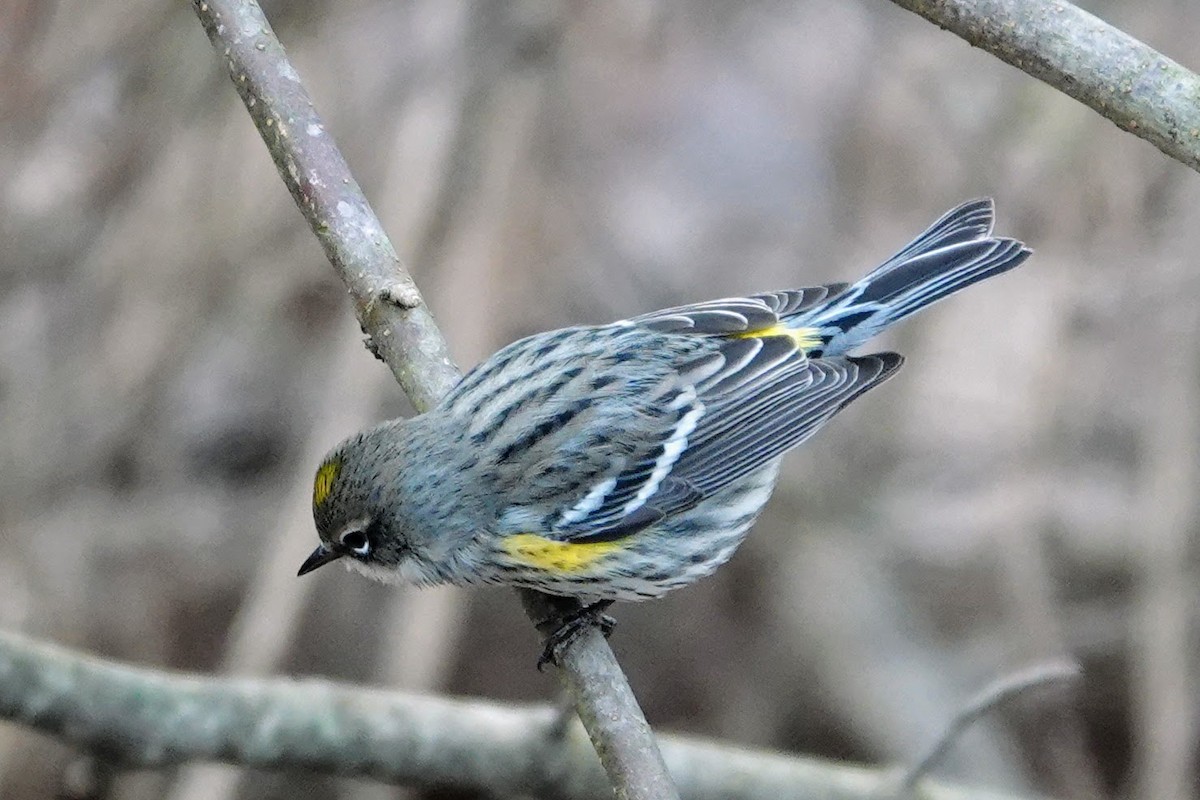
1106,69
149,718
401,332
399,327
989,698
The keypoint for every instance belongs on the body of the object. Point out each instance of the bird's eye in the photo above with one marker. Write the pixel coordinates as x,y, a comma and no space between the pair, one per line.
356,541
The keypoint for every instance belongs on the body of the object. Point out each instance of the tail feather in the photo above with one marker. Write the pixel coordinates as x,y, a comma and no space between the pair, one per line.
953,253
928,278
968,222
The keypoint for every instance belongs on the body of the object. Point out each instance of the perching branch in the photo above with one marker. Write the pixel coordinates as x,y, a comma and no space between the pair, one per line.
402,332
148,718
1114,74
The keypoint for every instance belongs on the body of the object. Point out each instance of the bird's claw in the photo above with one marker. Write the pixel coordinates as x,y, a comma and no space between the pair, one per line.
571,627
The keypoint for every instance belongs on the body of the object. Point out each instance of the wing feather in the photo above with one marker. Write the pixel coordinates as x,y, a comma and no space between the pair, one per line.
780,420
748,362
747,404
734,315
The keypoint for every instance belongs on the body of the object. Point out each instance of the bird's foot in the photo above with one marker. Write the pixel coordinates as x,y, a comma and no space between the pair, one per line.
571,627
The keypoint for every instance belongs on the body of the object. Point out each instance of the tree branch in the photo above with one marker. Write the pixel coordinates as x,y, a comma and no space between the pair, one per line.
401,332
1114,74
995,694
400,328
148,718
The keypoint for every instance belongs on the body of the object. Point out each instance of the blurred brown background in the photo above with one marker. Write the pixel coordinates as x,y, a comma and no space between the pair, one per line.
175,354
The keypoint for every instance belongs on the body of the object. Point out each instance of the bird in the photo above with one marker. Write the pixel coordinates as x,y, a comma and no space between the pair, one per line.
624,460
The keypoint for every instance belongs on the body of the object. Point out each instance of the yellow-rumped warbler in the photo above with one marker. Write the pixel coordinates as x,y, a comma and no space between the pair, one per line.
620,461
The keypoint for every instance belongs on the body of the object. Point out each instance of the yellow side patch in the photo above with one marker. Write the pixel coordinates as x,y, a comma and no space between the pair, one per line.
805,338
323,484
553,556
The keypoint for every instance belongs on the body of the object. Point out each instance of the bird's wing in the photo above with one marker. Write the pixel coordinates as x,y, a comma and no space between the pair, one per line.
726,414
753,417
736,315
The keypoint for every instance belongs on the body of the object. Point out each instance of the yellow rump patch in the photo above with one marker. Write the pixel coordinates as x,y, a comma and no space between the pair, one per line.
323,484
554,556
805,338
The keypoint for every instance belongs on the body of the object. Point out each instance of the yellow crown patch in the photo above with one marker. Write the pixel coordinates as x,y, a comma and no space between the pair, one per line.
323,484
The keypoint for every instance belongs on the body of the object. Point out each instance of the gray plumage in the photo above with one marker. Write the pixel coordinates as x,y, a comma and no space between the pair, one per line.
619,461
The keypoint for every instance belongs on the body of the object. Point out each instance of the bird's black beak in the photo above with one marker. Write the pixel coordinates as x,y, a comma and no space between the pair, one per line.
319,558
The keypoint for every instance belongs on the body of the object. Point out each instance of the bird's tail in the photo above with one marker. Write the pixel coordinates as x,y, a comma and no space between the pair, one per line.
951,254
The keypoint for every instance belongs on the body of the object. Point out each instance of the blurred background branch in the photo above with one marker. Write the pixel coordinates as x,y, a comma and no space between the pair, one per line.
142,718
1081,55
995,694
